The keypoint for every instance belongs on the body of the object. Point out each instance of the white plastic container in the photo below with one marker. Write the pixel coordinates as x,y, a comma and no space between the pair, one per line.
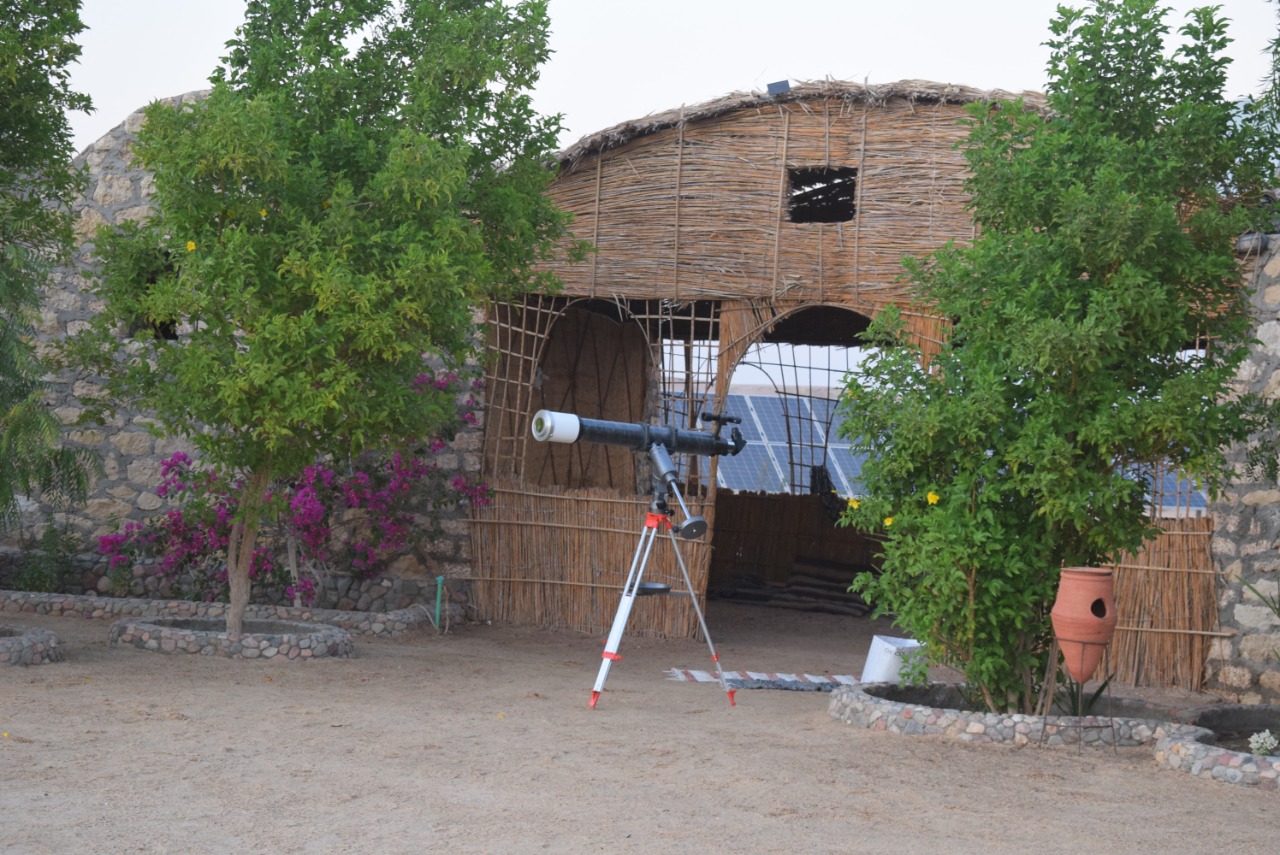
886,658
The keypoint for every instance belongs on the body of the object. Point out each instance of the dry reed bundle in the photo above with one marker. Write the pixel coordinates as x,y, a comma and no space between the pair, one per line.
558,559
1166,599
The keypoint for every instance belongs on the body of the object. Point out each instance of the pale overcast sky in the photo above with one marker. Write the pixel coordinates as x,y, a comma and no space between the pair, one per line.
616,60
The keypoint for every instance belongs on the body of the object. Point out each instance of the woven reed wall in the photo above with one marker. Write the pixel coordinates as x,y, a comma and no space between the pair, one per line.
558,558
1166,599
763,535
700,210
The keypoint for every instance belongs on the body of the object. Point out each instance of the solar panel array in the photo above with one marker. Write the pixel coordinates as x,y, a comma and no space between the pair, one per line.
786,436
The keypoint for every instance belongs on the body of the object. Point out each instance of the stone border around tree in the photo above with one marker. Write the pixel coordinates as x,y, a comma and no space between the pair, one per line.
375,624
23,645
274,640
1177,746
1221,764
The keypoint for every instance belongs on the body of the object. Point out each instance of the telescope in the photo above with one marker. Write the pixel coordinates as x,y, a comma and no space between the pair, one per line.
659,442
550,426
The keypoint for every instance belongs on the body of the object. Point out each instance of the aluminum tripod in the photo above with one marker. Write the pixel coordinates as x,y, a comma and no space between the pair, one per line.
658,518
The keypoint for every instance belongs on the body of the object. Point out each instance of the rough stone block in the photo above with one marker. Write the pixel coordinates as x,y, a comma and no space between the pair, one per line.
1270,680
136,442
1268,588
1221,547
102,509
1255,548
113,190
88,223
1252,370
1254,617
145,472
1236,677
1272,268
1260,647
138,213
68,415
87,437
88,390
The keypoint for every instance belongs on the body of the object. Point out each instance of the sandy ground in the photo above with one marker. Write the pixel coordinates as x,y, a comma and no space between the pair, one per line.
481,741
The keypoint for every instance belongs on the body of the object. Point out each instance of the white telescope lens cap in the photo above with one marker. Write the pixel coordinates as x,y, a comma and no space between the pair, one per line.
556,427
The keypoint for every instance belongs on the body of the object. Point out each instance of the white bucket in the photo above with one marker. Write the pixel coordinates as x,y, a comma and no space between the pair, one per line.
886,658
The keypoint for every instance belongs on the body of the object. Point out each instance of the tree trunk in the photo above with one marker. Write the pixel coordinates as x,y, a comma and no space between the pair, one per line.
244,538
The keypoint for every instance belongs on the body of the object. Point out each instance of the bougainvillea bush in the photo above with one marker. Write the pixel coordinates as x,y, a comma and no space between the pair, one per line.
352,519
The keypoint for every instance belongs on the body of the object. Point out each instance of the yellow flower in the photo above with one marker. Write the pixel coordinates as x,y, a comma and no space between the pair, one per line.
263,213
854,503
888,521
933,497
191,246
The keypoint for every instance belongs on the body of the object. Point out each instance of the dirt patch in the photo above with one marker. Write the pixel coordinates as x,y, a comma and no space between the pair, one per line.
481,741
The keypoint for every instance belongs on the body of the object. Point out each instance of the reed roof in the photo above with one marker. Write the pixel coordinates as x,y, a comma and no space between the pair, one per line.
922,91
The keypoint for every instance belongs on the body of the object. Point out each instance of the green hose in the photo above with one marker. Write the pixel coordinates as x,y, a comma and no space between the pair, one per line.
439,595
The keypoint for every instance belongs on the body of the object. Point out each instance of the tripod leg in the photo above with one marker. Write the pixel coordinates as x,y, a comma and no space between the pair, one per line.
702,621
629,592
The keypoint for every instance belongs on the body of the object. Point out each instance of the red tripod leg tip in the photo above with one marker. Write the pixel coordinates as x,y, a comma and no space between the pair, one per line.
731,693
595,696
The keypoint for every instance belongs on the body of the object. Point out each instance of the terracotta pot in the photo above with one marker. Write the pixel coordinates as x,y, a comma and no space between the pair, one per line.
1084,618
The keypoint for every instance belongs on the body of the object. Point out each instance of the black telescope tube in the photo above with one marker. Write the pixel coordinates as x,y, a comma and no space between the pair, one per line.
637,437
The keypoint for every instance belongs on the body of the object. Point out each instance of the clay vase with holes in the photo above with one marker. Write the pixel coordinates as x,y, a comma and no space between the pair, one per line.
1084,618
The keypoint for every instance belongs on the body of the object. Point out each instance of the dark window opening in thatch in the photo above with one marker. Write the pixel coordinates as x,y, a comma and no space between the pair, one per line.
823,194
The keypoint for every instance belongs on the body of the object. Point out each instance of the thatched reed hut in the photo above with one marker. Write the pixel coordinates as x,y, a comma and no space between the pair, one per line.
752,230
719,229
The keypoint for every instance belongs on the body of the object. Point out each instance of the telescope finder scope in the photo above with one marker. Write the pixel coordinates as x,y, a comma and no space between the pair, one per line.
550,426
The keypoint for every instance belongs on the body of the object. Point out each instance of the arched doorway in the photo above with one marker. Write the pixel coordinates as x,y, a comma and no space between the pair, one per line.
776,541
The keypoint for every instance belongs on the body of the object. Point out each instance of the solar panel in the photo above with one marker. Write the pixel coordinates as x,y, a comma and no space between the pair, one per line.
846,469
1180,492
805,429
738,406
750,469
772,420
825,413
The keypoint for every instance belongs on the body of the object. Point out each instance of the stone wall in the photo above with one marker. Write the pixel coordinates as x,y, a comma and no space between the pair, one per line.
117,192
1245,661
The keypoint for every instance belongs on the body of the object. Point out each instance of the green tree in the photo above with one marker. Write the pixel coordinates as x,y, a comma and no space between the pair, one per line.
1098,322
37,187
361,176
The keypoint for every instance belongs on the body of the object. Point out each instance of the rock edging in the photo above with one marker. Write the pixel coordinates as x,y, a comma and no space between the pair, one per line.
1184,747
24,645
275,640
855,705
1222,764
374,624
